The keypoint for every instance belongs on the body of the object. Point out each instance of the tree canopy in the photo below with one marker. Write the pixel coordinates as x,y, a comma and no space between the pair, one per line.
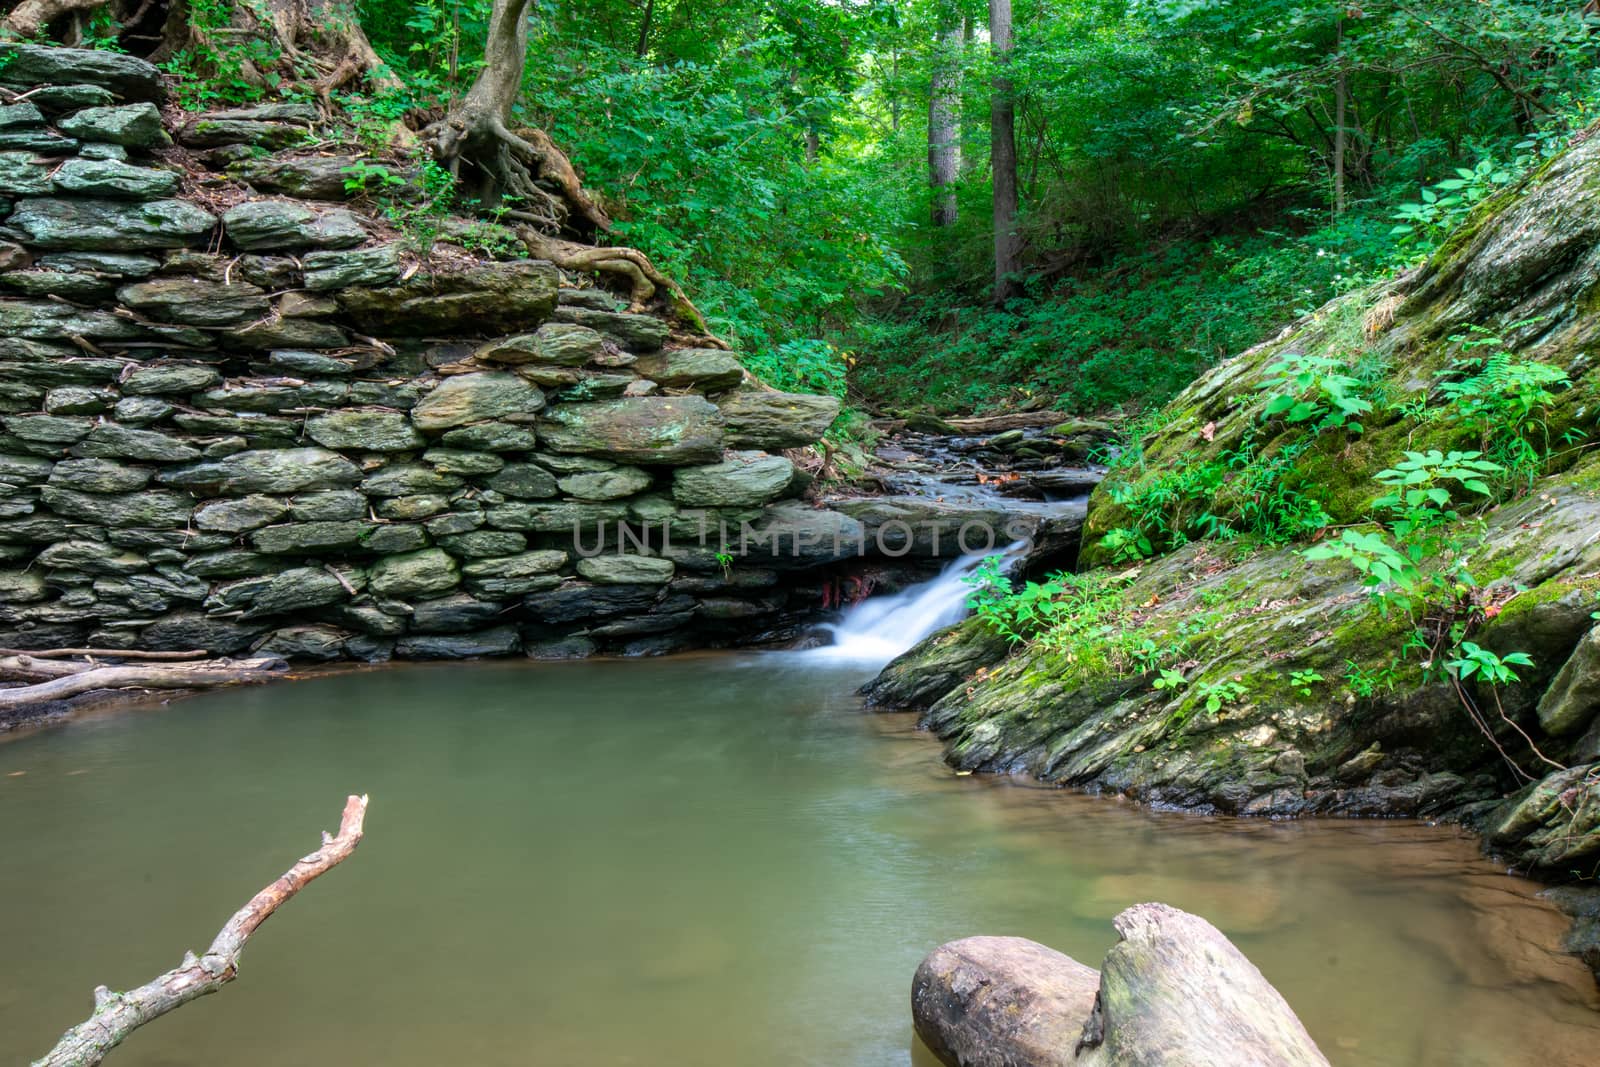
819,175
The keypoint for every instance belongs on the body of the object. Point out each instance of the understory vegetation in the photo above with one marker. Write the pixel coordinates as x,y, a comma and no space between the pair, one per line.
1412,535
1188,175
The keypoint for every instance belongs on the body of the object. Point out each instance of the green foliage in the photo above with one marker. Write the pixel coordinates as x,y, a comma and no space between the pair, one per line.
1079,617
363,178
1472,659
1304,682
1365,682
1422,488
1170,678
1445,205
1380,562
1317,390
1219,695
211,71
805,365
1127,545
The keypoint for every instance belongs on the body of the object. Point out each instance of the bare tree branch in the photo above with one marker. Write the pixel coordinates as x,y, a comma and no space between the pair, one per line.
71,679
116,1015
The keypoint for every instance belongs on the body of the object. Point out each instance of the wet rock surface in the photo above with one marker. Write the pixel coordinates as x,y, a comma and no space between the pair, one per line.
1173,992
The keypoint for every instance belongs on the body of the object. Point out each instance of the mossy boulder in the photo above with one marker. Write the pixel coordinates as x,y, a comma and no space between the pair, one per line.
774,421
108,177
626,569
613,484
484,297
426,573
130,125
111,225
194,301
468,398
287,470
558,343
653,430
288,225
705,369
744,479
366,431
29,65
378,265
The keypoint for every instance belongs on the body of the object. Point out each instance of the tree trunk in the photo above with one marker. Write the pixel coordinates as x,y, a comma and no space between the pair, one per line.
1341,95
1003,157
944,111
644,29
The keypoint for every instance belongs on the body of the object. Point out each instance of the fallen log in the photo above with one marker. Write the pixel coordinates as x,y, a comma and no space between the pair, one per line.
69,679
102,653
1016,420
116,1015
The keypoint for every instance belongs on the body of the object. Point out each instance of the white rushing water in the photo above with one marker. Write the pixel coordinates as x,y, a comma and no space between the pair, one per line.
879,628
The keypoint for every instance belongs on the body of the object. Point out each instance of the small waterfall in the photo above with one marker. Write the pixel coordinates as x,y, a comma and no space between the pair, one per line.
878,629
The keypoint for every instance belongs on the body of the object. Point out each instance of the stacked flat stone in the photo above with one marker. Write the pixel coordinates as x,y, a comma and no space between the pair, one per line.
265,429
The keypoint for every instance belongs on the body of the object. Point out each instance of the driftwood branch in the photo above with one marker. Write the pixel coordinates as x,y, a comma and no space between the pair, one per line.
102,653
56,679
116,1015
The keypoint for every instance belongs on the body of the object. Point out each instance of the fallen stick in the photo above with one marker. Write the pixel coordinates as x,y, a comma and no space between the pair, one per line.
116,1015
102,653
207,674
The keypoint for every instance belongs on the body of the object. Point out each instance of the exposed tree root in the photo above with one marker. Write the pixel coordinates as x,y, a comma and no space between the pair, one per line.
531,182
30,18
644,280
116,1015
56,679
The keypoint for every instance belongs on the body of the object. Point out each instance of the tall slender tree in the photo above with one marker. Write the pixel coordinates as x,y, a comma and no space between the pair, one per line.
1003,156
944,116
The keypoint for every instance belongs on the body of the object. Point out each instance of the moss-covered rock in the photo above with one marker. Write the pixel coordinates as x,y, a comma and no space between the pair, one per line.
483,298
110,225
366,431
289,225
653,430
426,573
469,398
130,125
774,421
744,479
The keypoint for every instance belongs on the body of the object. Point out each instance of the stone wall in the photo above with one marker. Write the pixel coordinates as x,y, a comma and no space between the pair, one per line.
235,420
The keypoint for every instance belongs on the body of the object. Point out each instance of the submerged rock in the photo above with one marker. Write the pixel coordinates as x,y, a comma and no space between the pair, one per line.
1002,1000
1174,992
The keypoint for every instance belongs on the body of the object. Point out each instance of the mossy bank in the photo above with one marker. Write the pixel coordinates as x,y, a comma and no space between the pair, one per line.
1209,659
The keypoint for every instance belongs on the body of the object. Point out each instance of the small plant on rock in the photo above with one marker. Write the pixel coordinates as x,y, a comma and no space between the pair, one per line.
1317,390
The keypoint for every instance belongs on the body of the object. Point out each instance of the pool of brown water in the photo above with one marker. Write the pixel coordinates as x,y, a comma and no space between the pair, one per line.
716,861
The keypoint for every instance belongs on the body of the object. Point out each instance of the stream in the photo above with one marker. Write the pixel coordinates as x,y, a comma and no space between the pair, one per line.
714,860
